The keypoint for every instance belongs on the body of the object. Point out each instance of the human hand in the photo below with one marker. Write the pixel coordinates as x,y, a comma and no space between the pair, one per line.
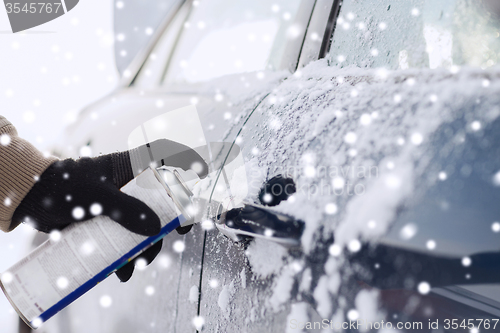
71,191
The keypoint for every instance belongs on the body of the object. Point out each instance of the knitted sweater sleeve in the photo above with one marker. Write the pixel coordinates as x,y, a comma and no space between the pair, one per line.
20,165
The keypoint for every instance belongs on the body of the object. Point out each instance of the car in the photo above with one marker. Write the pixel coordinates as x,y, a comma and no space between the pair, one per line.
384,117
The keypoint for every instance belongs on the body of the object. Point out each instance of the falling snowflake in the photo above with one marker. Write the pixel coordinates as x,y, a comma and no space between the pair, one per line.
496,179
466,261
7,202
424,288
382,73
5,139
7,277
55,235
365,119
353,314
141,264
78,213
29,117
179,246
293,31
207,224
96,209
275,124
476,125
495,227
354,245
213,283
392,182
338,182
442,175
297,266
309,171
335,250
87,248
198,322
62,282
267,198
164,261
219,97
159,103
37,322
431,244
85,151
331,209
416,139
408,231
150,290
454,69
105,301
350,138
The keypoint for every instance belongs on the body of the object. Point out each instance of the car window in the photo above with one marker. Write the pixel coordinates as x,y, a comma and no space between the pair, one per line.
134,24
151,72
417,34
222,37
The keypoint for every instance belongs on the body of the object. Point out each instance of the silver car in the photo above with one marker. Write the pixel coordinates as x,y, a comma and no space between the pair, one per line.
383,115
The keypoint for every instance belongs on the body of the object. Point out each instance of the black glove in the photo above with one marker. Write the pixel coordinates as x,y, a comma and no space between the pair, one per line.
68,190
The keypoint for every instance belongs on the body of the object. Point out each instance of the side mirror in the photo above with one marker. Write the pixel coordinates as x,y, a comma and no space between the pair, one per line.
135,22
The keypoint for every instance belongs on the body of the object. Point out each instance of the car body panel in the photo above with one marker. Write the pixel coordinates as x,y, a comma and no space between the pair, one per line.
301,140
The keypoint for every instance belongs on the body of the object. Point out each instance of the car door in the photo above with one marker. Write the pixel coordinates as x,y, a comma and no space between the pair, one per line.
372,136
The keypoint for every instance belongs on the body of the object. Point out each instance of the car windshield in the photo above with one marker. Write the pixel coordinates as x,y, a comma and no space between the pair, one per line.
222,37
417,34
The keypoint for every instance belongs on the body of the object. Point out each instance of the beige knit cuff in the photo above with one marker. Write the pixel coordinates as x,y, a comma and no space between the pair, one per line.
20,166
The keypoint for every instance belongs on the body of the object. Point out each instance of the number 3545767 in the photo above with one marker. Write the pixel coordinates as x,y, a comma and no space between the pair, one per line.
33,8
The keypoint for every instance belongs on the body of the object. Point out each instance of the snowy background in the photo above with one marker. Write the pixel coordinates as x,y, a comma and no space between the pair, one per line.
48,74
